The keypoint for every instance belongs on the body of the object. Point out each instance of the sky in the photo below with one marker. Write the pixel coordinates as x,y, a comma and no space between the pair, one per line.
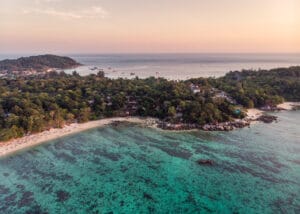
133,26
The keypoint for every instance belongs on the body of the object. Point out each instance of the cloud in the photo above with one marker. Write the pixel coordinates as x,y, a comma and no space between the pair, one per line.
90,13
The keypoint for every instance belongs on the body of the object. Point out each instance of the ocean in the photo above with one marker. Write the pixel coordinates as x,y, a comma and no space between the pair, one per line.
133,169
175,66
180,66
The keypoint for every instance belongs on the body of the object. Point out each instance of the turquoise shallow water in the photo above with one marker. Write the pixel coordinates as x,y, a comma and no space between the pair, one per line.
130,169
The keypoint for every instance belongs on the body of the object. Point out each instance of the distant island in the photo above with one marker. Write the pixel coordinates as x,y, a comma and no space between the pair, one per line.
36,65
33,104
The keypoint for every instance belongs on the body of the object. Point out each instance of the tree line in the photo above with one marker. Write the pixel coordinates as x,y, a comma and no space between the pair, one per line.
32,104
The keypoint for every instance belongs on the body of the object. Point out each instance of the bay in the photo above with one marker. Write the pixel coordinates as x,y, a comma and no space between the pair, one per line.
132,169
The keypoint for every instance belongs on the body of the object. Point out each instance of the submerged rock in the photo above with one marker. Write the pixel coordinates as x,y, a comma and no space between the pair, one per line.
62,196
26,199
116,123
205,162
4,190
148,196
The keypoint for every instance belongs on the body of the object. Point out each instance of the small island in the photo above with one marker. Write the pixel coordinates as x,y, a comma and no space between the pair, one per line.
35,65
47,100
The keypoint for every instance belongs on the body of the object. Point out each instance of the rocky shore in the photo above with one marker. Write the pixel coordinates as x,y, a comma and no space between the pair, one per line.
176,126
252,116
225,126
35,139
267,118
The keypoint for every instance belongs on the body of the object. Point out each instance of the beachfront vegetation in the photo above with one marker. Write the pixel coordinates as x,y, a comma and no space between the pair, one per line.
30,104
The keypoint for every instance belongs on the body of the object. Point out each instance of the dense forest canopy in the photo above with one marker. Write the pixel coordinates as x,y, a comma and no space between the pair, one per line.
30,104
264,87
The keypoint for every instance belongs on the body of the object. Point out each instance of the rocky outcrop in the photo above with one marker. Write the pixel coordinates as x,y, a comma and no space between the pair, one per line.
267,118
226,126
177,126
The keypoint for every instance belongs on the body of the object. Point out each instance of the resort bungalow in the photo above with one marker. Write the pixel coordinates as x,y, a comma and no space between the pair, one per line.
195,88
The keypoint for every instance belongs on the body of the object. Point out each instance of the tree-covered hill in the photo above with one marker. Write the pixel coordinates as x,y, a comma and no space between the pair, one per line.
263,87
38,63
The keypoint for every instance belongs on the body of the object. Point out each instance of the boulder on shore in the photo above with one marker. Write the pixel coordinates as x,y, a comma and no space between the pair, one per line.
267,118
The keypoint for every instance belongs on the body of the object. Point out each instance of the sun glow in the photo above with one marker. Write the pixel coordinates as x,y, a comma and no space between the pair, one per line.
135,26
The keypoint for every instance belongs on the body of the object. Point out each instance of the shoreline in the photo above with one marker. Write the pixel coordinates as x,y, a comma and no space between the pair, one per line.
15,145
289,105
254,113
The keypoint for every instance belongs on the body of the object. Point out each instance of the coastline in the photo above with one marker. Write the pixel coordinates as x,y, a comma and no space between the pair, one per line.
253,114
288,105
32,140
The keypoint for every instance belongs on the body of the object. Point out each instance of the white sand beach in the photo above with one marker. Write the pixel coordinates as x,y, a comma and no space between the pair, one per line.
253,113
288,105
35,139
12,146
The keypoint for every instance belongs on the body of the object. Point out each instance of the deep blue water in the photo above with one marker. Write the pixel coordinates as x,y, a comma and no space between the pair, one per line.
132,169
177,66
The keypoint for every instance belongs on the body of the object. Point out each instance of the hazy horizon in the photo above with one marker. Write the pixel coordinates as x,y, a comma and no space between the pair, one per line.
170,26
144,53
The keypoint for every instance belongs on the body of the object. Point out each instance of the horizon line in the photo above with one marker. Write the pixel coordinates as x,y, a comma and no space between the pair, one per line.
141,53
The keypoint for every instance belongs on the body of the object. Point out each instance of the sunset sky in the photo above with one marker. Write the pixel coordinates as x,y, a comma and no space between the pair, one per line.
117,26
